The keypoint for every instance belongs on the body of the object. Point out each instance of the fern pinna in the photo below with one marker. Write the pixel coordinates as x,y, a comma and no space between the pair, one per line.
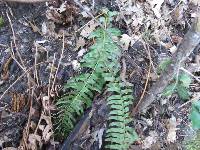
103,62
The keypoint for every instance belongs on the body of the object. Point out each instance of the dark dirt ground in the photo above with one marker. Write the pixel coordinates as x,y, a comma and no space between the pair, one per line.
15,104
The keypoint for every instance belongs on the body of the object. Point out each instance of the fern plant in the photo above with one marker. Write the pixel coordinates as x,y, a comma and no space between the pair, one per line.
82,88
103,62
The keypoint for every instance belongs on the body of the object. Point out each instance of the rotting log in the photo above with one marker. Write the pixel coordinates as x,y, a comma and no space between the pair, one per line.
190,41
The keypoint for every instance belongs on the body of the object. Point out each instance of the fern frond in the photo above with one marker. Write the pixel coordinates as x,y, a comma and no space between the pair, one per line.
119,134
82,91
103,56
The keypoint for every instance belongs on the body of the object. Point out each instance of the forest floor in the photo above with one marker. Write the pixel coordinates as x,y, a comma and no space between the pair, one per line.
41,46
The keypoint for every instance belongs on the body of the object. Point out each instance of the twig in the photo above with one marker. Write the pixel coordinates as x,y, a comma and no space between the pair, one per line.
50,76
3,45
28,122
14,40
197,97
19,79
148,76
60,60
39,122
183,69
36,72
144,91
22,65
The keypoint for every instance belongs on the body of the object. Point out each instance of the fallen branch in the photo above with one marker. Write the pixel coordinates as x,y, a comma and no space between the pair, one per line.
186,47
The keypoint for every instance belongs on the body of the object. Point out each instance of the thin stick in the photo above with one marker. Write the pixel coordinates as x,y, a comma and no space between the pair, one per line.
14,39
147,81
60,60
186,71
19,55
36,72
19,79
3,45
50,76
196,98
29,120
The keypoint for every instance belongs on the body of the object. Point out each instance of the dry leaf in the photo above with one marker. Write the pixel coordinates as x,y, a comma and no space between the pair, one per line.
75,64
81,52
125,40
80,43
85,14
33,138
44,28
156,5
62,8
171,137
45,102
173,49
47,133
41,127
87,30
47,119
151,139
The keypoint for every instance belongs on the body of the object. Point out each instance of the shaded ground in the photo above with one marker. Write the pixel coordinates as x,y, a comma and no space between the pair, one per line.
39,41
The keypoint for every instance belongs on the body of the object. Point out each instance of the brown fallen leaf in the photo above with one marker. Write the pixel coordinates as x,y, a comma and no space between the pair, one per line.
149,140
125,40
171,136
35,28
80,43
47,133
87,30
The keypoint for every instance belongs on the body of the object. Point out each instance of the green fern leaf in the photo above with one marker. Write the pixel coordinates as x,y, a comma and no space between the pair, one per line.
195,115
83,87
169,90
183,92
119,134
185,80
